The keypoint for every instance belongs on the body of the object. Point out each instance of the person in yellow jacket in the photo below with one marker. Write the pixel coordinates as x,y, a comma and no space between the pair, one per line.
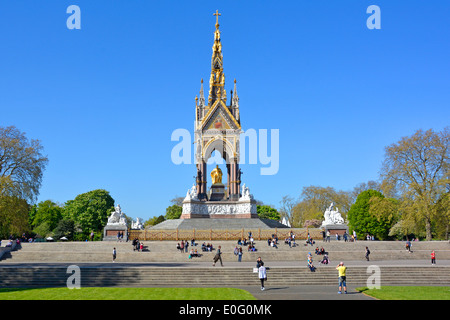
342,277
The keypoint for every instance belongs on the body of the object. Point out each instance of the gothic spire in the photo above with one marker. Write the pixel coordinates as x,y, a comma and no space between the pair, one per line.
217,79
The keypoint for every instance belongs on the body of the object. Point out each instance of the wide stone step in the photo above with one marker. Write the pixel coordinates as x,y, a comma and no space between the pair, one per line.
144,277
165,251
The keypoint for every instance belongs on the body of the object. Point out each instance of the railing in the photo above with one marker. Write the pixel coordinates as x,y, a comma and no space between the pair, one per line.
223,234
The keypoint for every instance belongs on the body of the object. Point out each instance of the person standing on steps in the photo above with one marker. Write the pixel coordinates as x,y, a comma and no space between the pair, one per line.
114,254
218,256
433,258
240,254
262,275
342,277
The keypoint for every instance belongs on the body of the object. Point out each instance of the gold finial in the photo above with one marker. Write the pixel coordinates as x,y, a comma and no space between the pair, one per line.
201,80
234,80
217,14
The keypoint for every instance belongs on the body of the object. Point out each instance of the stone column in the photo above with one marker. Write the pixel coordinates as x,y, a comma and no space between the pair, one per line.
228,180
233,183
201,183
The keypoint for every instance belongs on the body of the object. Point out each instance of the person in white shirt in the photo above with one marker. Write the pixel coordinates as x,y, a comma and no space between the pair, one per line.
262,275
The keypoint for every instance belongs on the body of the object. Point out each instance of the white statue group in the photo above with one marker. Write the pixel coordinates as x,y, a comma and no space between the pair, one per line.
192,193
332,216
117,217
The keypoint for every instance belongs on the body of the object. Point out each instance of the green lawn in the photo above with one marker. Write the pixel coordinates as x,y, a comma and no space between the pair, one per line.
408,293
125,294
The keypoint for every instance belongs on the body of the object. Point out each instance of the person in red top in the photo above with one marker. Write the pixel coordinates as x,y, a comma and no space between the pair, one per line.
433,258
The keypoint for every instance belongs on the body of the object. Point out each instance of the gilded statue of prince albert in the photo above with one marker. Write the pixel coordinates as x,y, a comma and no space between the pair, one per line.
216,175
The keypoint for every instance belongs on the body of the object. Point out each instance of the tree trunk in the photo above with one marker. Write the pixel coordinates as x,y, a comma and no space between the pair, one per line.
428,229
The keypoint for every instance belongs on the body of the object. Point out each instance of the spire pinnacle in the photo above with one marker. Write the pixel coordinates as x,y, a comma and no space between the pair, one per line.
217,78
217,14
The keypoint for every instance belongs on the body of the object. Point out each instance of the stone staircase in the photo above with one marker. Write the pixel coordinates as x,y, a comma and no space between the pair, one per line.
165,251
216,277
45,264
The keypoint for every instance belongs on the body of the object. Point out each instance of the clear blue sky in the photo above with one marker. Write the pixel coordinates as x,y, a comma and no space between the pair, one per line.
104,100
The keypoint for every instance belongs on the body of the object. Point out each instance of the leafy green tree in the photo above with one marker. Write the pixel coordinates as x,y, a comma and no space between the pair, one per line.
418,169
443,216
154,221
267,212
13,216
65,228
45,211
43,230
90,210
173,212
372,214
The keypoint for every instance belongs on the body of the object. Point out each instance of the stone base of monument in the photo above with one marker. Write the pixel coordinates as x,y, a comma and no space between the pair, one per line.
219,209
217,192
110,232
334,229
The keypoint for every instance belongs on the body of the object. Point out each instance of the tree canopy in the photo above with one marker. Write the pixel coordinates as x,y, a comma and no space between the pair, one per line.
21,164
417,168
90,210
372,214
267,212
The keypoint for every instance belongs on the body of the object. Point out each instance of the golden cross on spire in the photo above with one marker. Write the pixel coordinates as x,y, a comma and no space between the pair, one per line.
217,14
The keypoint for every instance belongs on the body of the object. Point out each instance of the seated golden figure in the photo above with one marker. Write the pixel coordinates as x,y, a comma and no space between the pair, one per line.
216,175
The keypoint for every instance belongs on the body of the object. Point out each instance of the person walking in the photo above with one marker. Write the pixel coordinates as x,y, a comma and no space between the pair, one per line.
262,275
114,253
218,256
367,253
433,258
408,245
342,277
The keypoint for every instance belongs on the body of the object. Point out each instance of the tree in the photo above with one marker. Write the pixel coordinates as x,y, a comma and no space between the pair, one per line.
154,221
21,164
372,214
370,185
267,212
45,211
65,228
418,168
173,212
443,216
286,209
177,200
90,210
314,200
13,216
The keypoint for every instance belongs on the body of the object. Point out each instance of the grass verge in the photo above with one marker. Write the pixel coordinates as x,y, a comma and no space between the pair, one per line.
408,292
125,294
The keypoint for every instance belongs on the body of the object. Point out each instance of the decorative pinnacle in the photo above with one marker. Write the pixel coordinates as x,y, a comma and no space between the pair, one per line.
217,14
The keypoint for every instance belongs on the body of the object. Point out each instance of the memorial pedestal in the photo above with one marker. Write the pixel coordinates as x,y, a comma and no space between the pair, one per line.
217,192
334,229
219,209
110,232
